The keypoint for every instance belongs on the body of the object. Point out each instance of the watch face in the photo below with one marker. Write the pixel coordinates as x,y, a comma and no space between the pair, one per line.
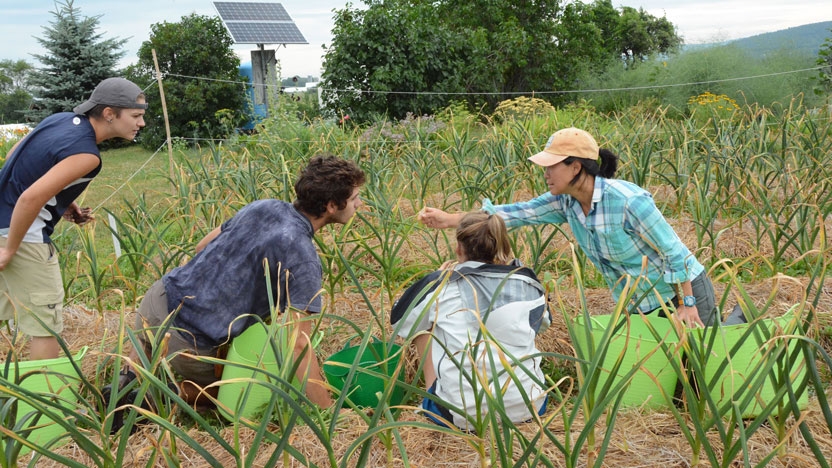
689,301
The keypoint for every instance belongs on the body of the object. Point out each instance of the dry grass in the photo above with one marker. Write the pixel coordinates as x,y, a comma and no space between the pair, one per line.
640,439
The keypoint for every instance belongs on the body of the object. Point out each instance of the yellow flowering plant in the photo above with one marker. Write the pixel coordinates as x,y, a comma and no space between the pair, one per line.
709,105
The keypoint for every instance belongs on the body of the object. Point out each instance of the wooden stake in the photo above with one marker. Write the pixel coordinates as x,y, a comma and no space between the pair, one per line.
164,113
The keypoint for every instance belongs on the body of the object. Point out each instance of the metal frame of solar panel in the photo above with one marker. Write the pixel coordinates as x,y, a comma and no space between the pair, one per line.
259,23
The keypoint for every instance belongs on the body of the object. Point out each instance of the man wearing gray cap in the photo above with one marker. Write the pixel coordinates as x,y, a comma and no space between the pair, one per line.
43,175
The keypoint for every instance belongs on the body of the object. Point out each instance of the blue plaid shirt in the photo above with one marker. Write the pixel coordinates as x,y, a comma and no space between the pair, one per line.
623,227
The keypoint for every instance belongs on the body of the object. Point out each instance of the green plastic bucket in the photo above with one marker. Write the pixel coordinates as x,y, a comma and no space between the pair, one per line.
364,388
653,384
47,377
743,364
247,399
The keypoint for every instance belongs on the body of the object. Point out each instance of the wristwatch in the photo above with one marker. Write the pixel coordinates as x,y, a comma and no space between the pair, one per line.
689,301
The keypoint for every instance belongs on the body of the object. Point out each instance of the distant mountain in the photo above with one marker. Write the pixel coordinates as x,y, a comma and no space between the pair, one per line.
802,40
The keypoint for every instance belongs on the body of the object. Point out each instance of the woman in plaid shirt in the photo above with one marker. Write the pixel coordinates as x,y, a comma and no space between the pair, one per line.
615,222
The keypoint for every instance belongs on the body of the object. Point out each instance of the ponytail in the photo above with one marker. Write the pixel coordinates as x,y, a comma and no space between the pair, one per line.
608,162
605,166
483,238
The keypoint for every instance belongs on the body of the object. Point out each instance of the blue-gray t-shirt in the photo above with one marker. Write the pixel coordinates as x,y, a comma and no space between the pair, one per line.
227,279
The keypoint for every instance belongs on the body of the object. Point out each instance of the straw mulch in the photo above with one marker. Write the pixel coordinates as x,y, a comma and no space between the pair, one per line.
640,439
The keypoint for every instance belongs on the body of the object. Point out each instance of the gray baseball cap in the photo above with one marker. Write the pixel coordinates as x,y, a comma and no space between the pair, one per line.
114,92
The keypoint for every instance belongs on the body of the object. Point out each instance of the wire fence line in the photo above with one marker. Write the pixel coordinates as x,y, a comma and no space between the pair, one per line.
343,141
532,93
515,93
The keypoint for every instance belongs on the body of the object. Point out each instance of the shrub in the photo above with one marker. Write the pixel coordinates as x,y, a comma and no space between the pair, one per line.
521,108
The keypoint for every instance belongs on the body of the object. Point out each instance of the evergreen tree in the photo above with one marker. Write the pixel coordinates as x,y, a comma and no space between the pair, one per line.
77,60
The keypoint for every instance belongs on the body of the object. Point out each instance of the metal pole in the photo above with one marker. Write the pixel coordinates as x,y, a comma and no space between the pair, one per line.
264,69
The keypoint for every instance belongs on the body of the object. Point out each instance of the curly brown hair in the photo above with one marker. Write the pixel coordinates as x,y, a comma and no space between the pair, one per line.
326,178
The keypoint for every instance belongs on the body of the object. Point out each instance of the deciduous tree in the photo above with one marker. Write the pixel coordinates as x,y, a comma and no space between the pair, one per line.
399,56
14,95
639,35
378,52
203,88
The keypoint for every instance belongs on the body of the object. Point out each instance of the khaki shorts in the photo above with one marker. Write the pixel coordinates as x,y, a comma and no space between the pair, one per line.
152,313
30,286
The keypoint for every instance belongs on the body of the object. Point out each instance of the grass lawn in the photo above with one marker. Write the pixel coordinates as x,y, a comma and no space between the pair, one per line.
127,172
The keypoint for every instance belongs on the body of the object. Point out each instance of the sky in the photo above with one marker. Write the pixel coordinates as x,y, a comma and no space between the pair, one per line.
697,21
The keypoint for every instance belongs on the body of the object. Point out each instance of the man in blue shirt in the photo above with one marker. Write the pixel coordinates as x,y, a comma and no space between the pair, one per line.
216,295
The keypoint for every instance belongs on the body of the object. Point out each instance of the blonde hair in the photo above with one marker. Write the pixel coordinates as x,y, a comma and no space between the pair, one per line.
483,237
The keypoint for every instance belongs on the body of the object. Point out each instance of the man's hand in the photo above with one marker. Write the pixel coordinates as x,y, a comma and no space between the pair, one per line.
79,216
438,219
5,257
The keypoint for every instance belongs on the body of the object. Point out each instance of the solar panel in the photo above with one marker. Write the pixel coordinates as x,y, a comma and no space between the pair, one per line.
251,11
265,33
259,23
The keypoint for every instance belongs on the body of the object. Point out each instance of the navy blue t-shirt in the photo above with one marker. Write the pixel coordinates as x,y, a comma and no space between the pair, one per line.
227,279
56,138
